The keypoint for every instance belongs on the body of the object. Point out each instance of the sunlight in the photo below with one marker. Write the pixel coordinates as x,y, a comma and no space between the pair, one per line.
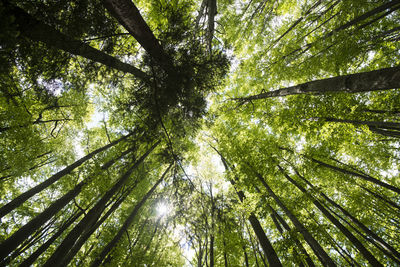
163,208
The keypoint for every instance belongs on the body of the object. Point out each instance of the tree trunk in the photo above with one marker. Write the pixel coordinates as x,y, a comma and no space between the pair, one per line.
129,16
316,247
88,232
35,30
382,79
275,217
379,124
15,203
269,251
387,249
127,223
352,173
92,216
25,231
367,255
33,257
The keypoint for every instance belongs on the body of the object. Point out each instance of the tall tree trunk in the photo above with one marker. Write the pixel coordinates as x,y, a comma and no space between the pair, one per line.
382,79
93,215
25,231
348,172
88,232
364,251
36,30
33,257
316,247
129,16
31,192
127,222
352,173
276,217
387,249
269,251
379,124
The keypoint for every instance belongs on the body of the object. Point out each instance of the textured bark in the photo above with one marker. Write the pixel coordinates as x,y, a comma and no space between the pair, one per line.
366,253
33,191
36,30
127,222
316,247
129,16
382,79
93,215
387,249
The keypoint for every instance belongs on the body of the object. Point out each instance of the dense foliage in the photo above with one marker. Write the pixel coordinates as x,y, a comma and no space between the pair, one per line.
199,133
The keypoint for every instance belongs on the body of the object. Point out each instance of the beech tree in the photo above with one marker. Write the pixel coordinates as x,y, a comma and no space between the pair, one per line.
199,133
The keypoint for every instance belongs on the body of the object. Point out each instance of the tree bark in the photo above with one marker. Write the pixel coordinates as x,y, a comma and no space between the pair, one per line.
316,247
92,216
388,249
129,16
35,30
127,223
366,253
382,79
15,203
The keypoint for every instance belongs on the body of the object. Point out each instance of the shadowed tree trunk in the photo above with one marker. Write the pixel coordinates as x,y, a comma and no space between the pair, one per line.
129,16
269,251
387,249
33,257
93,215
25,231
382,79
103,254
316,247
367,254
35,30
15,203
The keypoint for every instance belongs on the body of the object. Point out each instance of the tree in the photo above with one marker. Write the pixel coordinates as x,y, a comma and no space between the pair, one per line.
126,139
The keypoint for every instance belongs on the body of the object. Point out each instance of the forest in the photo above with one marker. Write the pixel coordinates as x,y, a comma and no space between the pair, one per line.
200,133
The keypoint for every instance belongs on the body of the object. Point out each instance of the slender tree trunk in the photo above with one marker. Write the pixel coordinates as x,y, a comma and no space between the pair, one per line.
352,173
316,247
246,258
129,16
36,30
276,217
382,79
85,236
212,11
379,124
127,222
367,255
25,231
252,245
92,216
31,192
33,257
269,251
387,249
